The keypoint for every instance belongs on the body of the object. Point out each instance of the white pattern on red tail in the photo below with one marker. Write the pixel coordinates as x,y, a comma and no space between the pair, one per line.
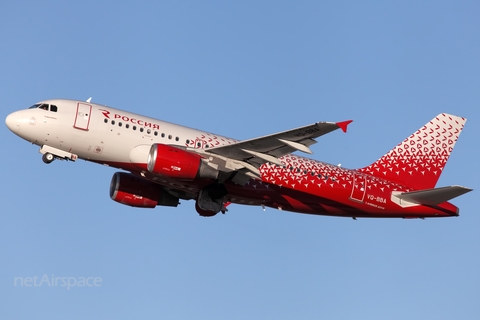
418,161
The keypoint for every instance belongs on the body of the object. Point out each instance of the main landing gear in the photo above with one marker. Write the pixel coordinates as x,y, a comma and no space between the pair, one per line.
210,200
48,158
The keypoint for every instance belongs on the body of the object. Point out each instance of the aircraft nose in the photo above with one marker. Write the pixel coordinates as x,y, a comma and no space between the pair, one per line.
13,121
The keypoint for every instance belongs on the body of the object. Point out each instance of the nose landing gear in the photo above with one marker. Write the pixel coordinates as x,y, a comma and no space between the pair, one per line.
48,158
51,153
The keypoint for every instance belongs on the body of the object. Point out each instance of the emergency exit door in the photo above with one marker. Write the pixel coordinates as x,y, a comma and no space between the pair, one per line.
359,187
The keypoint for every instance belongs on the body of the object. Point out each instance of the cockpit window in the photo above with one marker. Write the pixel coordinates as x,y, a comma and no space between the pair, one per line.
45,106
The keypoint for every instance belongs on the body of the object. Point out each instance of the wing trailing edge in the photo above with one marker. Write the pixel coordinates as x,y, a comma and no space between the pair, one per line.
264,156
297,145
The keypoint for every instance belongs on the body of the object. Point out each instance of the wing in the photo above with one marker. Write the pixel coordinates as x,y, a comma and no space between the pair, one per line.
248,155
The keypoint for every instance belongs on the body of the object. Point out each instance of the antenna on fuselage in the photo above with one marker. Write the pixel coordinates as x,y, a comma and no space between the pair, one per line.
89,99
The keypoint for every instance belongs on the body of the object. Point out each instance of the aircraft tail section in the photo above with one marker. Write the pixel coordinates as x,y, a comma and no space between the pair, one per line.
418,161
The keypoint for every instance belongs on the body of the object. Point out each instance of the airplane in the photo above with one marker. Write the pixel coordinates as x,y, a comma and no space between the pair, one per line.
164,163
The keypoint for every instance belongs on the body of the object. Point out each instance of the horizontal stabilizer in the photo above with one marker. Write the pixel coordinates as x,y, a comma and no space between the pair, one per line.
433,196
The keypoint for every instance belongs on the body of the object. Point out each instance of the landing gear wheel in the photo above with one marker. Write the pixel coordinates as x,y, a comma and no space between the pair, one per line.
48,158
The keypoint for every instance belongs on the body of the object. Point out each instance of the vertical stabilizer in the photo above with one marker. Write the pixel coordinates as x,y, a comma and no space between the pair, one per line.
418,161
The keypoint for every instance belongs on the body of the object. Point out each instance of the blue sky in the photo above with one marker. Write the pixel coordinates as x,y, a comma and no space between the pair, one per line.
242,70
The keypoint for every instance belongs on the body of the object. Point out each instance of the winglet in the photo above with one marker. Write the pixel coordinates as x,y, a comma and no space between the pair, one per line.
343,125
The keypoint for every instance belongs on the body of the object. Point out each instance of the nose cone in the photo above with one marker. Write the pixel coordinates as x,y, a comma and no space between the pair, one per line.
13,121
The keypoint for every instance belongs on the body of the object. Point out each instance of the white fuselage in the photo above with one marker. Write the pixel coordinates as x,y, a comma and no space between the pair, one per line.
103,134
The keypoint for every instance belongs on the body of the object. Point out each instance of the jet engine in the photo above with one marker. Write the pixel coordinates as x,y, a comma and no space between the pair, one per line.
131,190
178,163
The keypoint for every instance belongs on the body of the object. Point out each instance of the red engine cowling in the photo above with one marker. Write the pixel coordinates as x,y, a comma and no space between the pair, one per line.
177,163
133,191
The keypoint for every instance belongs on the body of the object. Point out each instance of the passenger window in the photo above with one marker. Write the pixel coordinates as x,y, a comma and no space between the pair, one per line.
127,126
177,138
105,120
134,128
148,131
113,121
163,135
141,129
155,133
53,108
170,137
119,124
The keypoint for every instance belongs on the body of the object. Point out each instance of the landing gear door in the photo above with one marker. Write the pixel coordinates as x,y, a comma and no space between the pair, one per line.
359,188
82,117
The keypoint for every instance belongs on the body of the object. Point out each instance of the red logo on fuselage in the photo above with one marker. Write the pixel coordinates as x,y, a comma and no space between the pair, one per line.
139,122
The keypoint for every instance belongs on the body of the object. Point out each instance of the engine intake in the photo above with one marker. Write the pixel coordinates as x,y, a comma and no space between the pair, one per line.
177,163
133,191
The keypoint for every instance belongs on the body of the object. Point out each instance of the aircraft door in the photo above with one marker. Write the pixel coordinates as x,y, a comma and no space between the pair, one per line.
82,117
359,187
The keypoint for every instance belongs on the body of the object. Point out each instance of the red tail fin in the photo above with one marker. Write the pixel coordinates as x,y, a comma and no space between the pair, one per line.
418,161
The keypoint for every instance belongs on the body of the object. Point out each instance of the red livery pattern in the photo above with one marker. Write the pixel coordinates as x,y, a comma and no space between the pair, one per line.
419,160
209,140
167,163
